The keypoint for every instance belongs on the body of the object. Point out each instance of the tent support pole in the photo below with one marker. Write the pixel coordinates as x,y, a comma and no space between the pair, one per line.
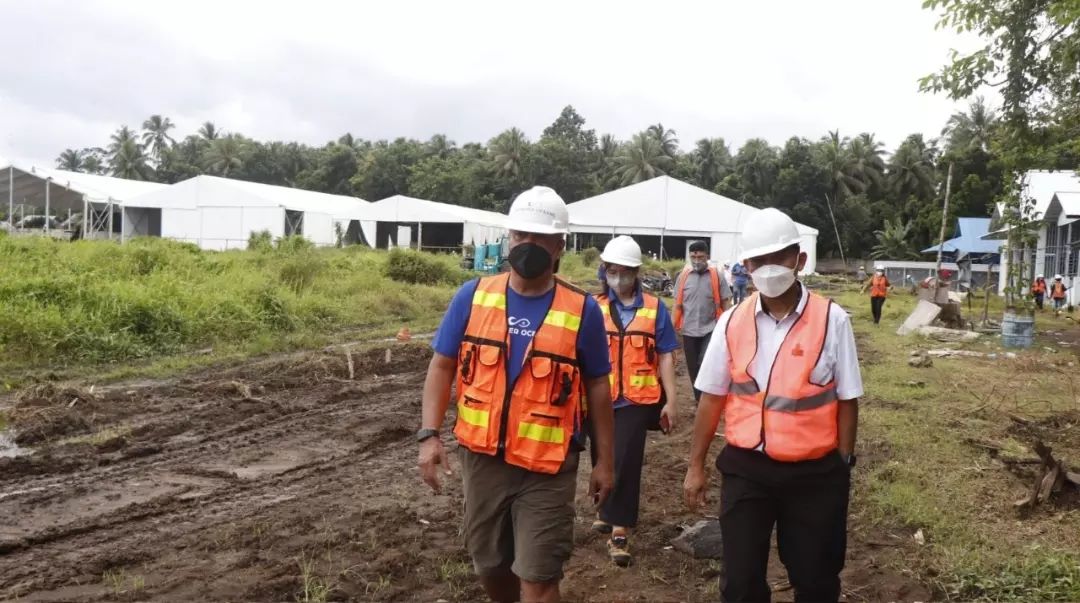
661,244
85,210
419,236
109,208
11,198
48,216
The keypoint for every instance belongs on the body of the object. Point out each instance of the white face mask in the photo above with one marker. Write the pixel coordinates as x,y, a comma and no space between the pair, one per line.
773,280
623,283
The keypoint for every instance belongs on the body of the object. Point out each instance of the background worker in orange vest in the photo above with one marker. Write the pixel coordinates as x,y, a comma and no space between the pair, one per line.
642,343
879,290
1057,292
701,294
783,373
1038,290
530,353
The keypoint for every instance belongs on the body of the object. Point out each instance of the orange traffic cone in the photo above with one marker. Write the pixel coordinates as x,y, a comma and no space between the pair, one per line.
404,334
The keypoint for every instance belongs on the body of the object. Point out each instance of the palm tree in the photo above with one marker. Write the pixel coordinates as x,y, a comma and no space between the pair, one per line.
129,160
894,242
641,159
209,131
119,137
508,152
156,135
93,164
839,164
713,159
756,167
911,168
973,128
669,144
609,146
867,155
70,160
440,145
225,155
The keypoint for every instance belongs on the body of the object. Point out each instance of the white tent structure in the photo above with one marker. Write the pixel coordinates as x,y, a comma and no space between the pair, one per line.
29,189
407,222
219,213
667,214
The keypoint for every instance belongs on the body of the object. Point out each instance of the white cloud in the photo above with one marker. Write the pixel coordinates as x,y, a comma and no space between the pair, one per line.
311,71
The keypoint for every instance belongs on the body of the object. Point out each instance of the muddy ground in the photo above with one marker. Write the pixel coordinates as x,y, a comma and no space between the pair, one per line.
285,480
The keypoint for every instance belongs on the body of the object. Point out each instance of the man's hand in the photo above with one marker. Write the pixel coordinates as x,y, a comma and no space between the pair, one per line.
694,487
601,482
432,454
668,418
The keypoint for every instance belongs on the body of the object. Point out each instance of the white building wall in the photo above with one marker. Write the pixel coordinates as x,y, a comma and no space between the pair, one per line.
319,228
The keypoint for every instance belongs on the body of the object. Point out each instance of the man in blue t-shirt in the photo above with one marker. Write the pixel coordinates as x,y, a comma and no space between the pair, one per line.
519,523
740,280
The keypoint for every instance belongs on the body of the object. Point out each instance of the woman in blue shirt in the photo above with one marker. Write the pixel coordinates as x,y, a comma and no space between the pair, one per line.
652,407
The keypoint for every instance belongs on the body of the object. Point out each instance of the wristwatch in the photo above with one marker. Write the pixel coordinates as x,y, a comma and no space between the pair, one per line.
849,459
424,434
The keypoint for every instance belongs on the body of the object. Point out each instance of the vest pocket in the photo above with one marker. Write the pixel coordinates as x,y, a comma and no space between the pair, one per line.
480,366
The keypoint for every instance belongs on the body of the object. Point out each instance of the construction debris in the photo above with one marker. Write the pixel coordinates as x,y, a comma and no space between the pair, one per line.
1052,478
948,335
920,360
924,313
701,540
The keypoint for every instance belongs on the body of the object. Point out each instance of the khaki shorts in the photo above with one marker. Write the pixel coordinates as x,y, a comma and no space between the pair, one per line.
518,520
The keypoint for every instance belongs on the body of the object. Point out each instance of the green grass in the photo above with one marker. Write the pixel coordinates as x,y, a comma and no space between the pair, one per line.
923,473
94,303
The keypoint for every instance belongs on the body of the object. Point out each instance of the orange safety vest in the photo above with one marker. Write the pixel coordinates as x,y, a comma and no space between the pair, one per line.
531,420
1038,287
1058,290
635,364
794,419
879,286
715,274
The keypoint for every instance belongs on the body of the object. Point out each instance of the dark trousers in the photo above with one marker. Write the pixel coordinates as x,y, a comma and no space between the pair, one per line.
875,307
1039,300
810,514
694,348
631,426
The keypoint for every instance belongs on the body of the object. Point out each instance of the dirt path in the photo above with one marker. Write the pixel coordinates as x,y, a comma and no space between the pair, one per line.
286,480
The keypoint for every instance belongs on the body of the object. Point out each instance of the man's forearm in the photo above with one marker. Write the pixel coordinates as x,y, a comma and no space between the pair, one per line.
847,419
709,412
436,397
602,417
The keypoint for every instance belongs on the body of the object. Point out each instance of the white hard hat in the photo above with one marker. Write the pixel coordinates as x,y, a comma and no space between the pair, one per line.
1057,277
879,267
539,210
768,231
1040,276
622,250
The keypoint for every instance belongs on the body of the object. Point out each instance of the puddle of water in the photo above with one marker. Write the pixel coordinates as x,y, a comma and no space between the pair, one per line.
8,448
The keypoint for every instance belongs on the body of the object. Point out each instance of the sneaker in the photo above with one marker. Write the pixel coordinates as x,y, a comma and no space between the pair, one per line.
601,527
618,549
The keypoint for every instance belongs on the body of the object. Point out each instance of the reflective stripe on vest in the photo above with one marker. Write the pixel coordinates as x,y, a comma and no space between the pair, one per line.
714,280
531,420
635,364
793,419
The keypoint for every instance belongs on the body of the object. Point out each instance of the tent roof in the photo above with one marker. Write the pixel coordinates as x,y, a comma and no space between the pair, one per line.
1070,204
968,238
662,204
400,208
212,191
68,189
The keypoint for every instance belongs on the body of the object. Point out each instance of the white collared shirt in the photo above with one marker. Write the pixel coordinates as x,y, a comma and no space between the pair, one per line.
839,362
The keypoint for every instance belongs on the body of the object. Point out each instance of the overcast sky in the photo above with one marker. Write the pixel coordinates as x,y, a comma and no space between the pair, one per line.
310,71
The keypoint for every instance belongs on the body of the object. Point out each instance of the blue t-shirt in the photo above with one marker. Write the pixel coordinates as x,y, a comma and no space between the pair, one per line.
665,332
524,315
739,275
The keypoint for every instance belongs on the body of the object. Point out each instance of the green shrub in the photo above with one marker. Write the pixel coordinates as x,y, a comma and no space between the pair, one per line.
294,244
260,241
408,266
590,256
298,272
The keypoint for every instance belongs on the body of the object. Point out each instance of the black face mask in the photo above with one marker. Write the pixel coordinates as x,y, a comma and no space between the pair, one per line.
529,260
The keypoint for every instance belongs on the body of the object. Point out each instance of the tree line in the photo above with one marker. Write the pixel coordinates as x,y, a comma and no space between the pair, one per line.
886,204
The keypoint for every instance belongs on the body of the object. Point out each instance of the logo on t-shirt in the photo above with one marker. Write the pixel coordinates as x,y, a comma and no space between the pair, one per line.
520,326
